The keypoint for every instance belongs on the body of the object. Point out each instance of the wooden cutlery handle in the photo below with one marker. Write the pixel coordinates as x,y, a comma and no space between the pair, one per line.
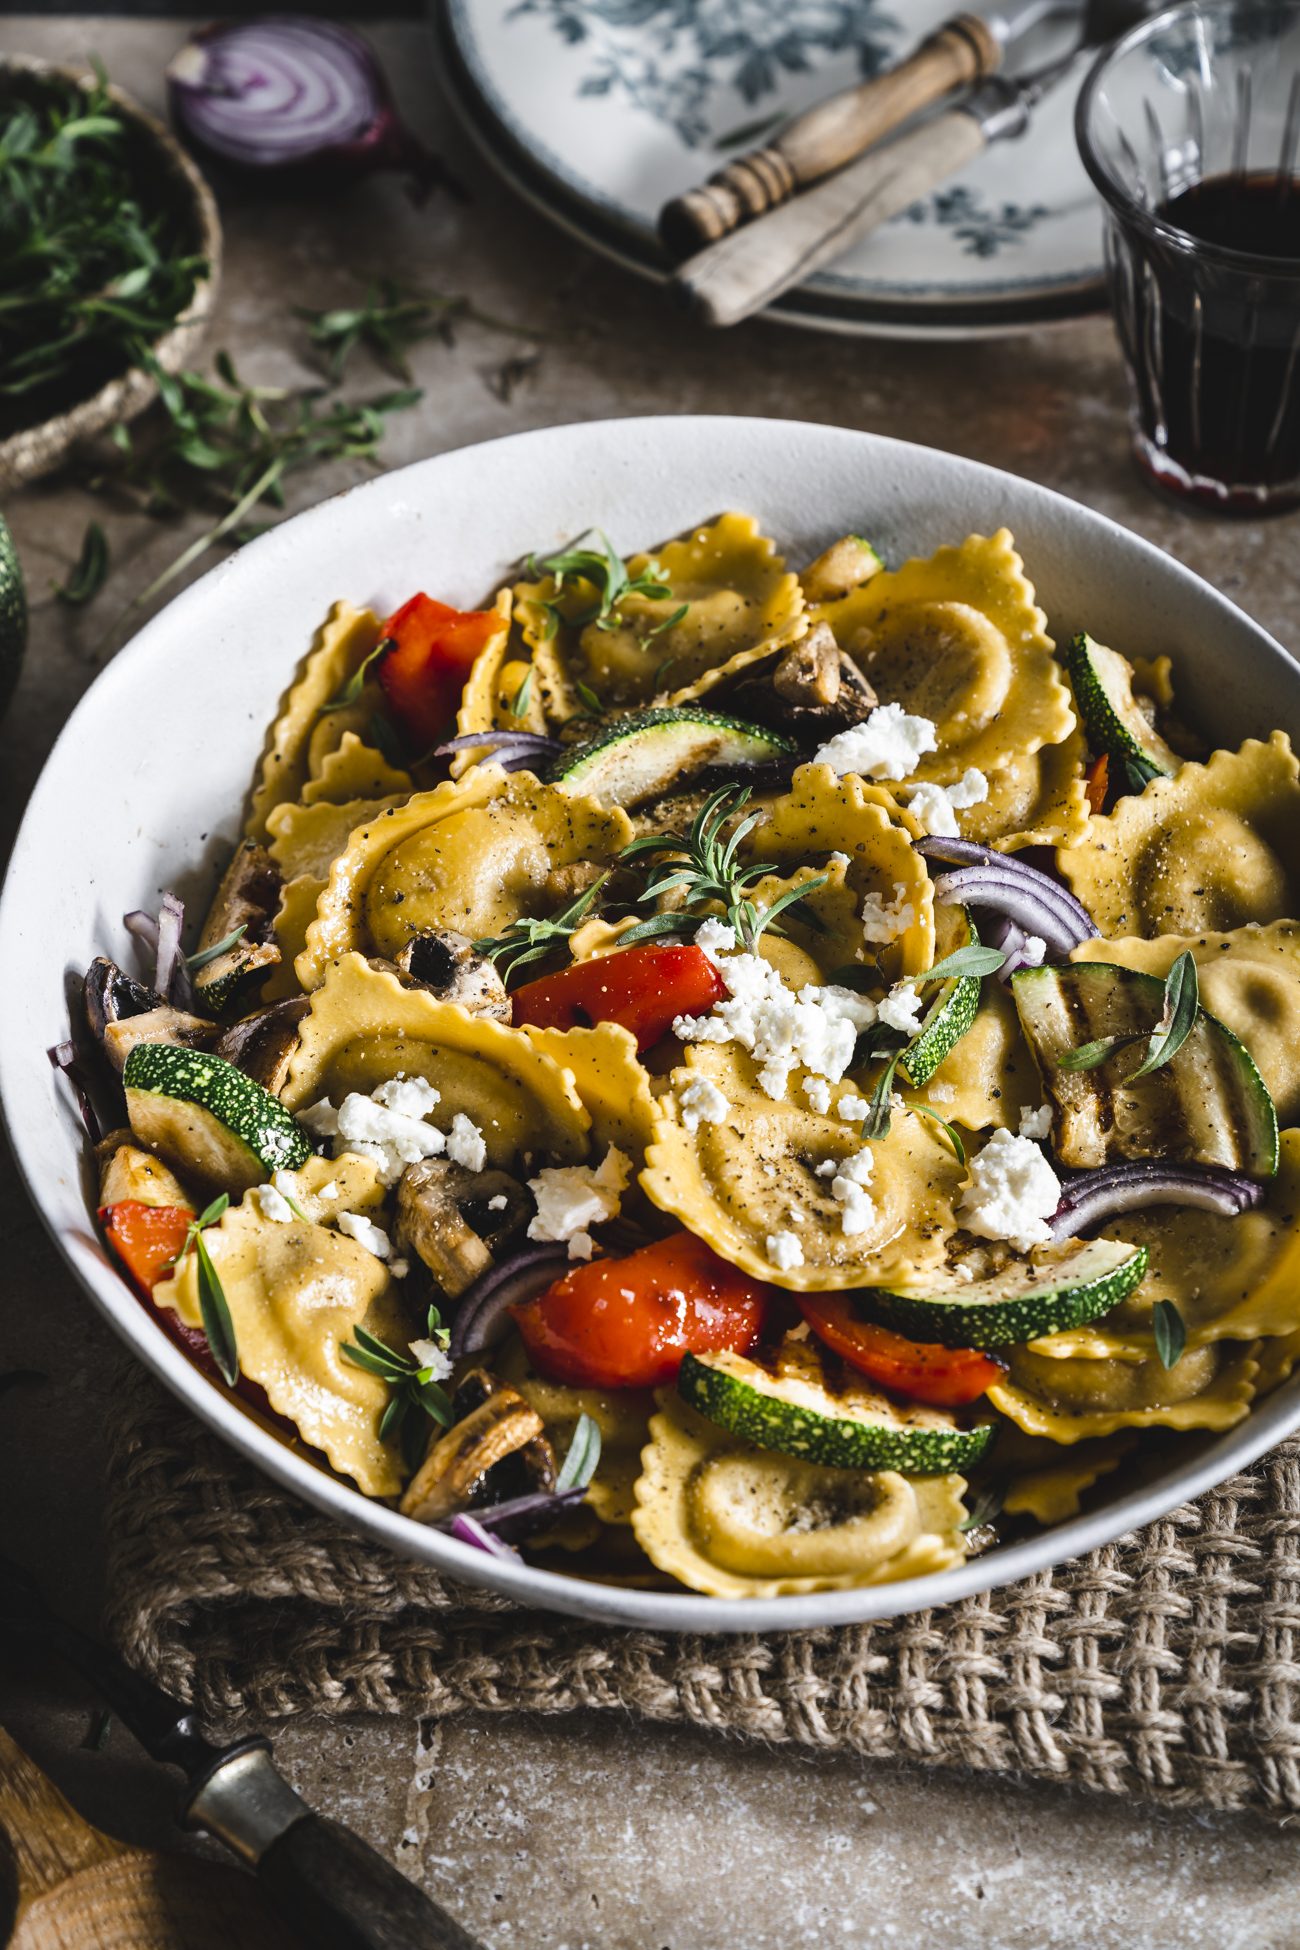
747,270
823,139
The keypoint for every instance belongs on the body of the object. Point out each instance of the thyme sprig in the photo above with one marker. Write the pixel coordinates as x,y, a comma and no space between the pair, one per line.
702,866
532,937
596,562
415,1399
1178,1013
214,1309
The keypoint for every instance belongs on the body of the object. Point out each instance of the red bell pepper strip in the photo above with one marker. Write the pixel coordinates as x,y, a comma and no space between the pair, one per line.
423,673
1095,781
943,1376
627,1323
146,1238
645,988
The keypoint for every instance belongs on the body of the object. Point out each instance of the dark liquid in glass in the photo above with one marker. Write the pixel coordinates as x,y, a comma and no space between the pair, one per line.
1216,352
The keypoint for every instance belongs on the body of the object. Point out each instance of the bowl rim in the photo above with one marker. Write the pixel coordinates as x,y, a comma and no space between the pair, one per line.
1119,201
1277,1416
32,451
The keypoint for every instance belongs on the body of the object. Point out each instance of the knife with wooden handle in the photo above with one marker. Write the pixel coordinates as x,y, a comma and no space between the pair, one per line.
752,266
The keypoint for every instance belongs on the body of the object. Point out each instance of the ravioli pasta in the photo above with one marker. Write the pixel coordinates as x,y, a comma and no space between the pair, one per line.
666,1106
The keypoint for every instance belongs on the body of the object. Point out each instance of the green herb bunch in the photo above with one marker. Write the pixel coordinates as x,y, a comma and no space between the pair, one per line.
596,565
702,866
91,269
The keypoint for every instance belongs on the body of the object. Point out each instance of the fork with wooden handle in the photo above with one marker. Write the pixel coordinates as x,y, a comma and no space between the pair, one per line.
752,266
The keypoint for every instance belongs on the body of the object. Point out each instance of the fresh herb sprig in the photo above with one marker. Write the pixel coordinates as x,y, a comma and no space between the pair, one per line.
91,269
88,573
1177,1021
415,1399
532,937
596,562
703,867
389,321
581,1457
972,960
214,1309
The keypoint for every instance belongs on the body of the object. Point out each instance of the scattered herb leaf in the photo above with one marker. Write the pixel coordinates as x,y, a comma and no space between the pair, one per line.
519,702
669,623
950,1131
582,1457
1170,1331
971,960
1089,1055
202,956
877,1121
1182,1001
595,562
217,1324
986,1507
89,571
351,691
391,319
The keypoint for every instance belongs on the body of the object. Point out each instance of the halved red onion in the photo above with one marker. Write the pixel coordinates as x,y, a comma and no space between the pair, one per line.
1000,882
288,92
481,1317
67,1057
1093,1197
470,1531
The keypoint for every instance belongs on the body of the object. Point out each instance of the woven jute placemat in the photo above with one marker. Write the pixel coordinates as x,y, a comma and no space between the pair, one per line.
1166,1665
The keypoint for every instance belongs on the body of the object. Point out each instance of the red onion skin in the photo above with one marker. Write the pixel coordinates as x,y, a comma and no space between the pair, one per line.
1094,1198
484,1307
1032,913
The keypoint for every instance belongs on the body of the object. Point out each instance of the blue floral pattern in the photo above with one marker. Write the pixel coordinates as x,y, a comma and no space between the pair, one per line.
981,231
683,51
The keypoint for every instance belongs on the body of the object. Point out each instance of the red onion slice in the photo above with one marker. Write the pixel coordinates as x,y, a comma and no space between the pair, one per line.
470,1531
969,854
1093,1197
481,1318
498,741
67,1057
1037,904
522,1515
288,91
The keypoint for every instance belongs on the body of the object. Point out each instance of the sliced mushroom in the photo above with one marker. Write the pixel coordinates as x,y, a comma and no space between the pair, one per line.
445,962
262,1045
809,673
110,994
446,1214
567,882
161,1025
453,1472
771,699
248,898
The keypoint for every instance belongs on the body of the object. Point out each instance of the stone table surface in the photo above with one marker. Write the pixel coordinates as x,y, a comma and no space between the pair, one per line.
576,1832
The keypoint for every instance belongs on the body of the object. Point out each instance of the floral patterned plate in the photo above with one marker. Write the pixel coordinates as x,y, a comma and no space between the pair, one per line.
600,110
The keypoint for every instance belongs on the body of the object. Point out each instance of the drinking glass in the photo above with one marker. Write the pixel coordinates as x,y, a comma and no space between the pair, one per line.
1189,127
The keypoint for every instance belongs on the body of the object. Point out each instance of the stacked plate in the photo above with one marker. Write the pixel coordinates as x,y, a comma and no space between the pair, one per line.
599,111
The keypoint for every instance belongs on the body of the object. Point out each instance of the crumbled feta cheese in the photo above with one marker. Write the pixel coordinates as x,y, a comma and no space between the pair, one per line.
399,1268
329,1191
431,1356
581,1245
570,1198
272,1204
498,1202
1013,1191
815,1029
465,1144
885,920
1036,1124
818,1093
410,1096
393,1138
838,859
827,1168
321,1119
1033,951
963,1272
941,1093
852,1108
936,806
713,937
784,1250
701,1102
888,745
849,1187
901,1009
366,1233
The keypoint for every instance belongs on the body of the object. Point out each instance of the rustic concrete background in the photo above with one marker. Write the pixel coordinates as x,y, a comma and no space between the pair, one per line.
573,1833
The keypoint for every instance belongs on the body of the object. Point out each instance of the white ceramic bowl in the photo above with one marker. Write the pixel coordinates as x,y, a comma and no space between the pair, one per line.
144,788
